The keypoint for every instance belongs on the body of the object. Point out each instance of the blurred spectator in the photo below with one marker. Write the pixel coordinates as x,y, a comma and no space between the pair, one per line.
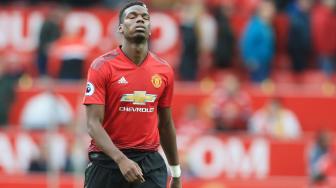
46,111
322,159
8,82
275,120
224,49
281,5
257,43
68,57
317,152
189,56
299,44
50,31
207,38
231,106
191,123
324,35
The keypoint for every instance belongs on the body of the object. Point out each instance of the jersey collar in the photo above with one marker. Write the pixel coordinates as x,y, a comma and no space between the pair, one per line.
128,60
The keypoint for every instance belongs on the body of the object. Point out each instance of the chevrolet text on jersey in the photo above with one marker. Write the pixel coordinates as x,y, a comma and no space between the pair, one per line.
137,98
135,109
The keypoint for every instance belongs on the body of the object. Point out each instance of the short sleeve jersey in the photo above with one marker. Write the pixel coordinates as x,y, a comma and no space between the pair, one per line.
131,94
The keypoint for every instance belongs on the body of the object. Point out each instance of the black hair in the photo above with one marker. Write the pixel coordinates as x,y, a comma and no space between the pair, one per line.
126,6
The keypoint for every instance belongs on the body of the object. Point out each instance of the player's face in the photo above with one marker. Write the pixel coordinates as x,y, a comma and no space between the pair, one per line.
136,25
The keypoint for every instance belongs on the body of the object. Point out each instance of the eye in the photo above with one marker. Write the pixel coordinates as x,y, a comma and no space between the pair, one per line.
145,16
131,16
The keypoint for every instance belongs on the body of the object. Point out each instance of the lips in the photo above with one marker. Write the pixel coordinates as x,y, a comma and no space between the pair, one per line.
140,28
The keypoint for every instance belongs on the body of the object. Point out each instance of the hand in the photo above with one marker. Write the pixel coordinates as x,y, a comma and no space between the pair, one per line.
176,183
130,170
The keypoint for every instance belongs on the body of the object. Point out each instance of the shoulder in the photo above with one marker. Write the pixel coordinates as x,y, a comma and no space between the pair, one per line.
157,59
104,59
160,62
161,66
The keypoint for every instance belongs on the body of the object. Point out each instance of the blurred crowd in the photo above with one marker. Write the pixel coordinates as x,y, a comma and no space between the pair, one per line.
229,110
307,37
210,43
295,34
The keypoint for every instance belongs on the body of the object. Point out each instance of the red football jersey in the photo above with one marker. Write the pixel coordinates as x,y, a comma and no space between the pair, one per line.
131,95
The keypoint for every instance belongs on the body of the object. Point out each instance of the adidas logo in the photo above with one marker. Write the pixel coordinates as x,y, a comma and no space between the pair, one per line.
122,80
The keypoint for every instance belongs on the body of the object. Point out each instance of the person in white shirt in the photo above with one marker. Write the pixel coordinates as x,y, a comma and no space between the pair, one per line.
275,120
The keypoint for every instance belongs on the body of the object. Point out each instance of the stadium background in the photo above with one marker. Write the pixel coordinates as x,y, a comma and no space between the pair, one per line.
43,140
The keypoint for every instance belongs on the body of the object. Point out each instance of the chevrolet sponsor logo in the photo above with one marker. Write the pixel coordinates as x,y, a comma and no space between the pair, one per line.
138,98
135,109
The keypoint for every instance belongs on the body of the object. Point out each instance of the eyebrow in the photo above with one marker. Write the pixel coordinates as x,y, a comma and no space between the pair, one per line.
134,12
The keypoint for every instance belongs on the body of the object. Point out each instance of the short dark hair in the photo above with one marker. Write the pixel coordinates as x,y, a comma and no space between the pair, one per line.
126,6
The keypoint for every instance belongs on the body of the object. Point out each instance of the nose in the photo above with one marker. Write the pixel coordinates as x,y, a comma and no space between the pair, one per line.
140,19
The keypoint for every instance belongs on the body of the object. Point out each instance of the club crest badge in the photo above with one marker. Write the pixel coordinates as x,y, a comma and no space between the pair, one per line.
156,80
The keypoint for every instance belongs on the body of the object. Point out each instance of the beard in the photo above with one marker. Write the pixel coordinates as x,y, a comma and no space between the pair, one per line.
137,38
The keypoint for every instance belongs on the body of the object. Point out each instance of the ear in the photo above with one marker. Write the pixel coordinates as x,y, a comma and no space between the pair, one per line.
120,28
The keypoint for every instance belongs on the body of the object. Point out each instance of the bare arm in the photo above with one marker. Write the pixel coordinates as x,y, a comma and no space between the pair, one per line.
168,140
168,135
95,117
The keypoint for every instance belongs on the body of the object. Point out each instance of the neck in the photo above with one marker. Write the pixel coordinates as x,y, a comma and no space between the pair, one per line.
137,52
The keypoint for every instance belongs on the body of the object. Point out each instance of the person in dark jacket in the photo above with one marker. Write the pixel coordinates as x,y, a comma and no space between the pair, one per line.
50,32
299,41
224,48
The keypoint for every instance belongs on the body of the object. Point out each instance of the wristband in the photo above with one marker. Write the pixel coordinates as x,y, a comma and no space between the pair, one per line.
175,171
